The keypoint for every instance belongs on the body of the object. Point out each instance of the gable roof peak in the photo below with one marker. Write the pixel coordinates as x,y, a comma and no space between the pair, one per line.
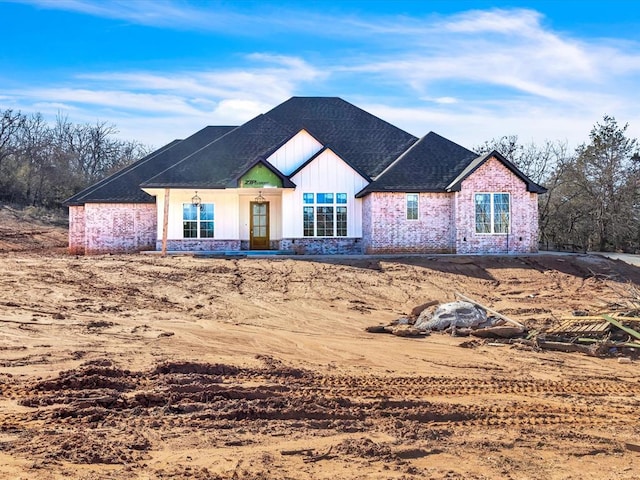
366,142
456,183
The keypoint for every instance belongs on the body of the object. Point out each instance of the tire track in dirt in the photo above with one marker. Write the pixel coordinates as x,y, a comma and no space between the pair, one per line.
100,413
278,393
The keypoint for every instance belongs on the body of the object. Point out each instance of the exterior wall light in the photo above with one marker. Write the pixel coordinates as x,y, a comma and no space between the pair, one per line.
196,200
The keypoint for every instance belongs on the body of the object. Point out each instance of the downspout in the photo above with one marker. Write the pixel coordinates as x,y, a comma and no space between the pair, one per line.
165,222
453,236
453,239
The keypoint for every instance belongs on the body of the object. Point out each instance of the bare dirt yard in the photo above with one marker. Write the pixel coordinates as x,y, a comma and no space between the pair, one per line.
141,367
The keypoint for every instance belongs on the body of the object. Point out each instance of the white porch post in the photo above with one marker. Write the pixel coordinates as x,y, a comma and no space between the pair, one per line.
165,222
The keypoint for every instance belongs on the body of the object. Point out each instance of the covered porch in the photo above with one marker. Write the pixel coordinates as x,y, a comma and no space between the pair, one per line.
213,220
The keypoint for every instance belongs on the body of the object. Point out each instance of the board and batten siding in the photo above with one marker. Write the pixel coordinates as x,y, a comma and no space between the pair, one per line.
327,173
271,195
226,226
290,156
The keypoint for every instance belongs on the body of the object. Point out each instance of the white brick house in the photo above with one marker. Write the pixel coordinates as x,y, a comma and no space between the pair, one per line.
313,175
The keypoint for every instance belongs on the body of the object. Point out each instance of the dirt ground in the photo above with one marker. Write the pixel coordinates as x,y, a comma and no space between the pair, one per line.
141,367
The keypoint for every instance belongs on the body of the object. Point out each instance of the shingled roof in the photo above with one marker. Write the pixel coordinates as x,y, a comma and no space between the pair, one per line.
428,166
222,163
217,157
124,185
435,164
366,142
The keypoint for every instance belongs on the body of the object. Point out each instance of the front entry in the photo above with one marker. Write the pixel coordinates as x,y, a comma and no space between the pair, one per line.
259,227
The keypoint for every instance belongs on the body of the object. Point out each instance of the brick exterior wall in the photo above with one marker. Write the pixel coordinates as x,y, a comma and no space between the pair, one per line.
199,245
494,177
323,246
366,223
445,224
273,245
77,238
116,227
387,230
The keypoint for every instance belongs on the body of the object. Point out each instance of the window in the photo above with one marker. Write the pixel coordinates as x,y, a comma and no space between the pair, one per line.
197,220
412,206
325,221
341,221
492,212
307,222
324,214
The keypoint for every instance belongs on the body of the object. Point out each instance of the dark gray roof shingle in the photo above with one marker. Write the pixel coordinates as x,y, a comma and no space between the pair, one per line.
222,163
216,157
435,164
124,185
366,142
428,166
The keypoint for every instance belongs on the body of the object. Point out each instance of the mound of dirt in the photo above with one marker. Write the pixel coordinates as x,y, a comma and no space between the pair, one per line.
28,229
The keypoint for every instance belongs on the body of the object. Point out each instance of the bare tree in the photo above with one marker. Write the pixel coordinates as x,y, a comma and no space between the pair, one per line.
545,164
537,162
42,164
593,197
10,124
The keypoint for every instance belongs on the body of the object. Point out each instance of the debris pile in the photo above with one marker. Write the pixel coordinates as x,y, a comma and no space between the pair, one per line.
614,334
460,318
609,334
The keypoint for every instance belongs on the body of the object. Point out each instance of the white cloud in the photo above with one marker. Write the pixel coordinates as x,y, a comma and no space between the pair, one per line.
159,13
237,111
445,100
155,108
472,75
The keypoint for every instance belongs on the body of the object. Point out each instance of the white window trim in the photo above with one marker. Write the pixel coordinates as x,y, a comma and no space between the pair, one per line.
334,205
491,213
406,207
198,222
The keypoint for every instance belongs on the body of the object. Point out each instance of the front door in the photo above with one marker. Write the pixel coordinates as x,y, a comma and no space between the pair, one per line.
259,232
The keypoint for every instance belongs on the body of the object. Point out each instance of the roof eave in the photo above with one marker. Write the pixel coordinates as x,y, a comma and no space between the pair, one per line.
456,184
368,189
286,182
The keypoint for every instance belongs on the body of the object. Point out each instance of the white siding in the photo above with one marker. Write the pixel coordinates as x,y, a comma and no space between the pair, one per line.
273,196
295,152
225,211
327,173
231,211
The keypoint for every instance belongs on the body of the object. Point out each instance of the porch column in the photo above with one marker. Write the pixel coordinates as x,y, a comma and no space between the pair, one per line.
165,222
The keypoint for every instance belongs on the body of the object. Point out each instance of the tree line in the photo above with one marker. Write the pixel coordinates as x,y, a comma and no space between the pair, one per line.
593,198
42,164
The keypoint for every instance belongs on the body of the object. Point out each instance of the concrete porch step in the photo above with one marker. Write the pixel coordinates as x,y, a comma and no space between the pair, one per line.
223,253
242,253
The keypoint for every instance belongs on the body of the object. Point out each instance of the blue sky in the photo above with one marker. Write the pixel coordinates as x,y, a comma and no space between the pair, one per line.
468,70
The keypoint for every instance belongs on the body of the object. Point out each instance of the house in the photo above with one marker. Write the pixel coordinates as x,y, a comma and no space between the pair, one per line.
314,175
